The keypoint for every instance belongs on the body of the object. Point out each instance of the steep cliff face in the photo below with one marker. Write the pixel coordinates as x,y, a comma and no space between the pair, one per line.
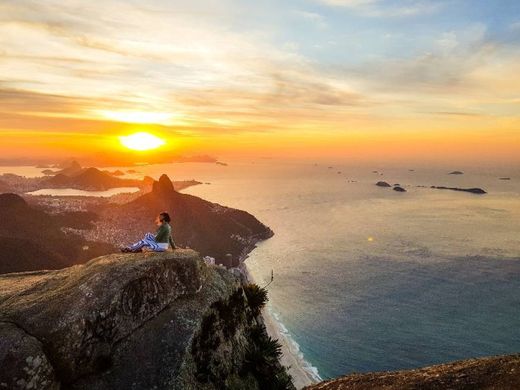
493,373
133,321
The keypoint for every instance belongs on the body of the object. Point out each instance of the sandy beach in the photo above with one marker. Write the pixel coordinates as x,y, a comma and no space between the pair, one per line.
291,359
300,370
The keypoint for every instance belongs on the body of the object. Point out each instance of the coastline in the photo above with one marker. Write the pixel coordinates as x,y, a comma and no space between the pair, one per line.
302,372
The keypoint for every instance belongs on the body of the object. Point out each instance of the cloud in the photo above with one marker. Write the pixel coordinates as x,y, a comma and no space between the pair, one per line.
350,3
514,26
313,17
212,68
458,80
79,60
383,8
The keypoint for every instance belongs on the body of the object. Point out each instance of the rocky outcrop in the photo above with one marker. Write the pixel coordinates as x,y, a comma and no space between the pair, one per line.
494,373
383,184
399,188
456,173
129,321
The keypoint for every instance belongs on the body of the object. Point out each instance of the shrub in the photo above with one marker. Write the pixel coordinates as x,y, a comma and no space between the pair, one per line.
262,360
256,297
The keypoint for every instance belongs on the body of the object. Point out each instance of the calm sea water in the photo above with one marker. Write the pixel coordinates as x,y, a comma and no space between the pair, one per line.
370,279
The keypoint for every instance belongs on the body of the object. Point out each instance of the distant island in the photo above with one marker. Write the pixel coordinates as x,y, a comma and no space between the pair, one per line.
478,191
399,188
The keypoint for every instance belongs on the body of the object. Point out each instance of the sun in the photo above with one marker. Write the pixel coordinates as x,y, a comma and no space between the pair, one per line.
141,141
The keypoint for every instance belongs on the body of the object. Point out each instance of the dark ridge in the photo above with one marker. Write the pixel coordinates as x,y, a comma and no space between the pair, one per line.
31,240
12,200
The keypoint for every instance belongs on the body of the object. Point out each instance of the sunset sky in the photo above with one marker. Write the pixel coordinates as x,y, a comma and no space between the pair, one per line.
360,79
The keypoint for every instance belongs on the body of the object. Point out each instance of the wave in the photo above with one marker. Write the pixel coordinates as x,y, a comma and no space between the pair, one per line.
294,347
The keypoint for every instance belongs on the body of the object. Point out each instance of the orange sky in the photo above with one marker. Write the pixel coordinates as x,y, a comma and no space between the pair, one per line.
231,80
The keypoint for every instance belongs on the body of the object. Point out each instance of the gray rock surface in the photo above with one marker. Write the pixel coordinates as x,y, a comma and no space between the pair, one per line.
23,358
128,321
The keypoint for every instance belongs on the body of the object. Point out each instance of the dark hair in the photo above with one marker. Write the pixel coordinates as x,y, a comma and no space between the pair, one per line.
165,217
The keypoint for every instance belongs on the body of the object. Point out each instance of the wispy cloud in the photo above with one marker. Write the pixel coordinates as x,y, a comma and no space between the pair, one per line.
209,68
317,19
384,8
80,63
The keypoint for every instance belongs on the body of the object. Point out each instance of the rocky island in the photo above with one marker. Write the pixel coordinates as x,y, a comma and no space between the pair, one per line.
478,191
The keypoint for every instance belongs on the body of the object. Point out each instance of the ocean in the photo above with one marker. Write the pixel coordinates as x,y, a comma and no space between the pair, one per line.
369,279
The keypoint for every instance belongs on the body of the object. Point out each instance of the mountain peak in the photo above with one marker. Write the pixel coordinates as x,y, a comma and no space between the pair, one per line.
164,185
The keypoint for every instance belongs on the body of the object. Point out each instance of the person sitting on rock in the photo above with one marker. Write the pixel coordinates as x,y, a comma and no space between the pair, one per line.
158,242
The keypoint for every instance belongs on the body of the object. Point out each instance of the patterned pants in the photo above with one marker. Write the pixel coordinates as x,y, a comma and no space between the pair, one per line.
149,242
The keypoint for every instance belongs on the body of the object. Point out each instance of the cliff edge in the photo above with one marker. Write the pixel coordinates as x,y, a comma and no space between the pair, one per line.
133,321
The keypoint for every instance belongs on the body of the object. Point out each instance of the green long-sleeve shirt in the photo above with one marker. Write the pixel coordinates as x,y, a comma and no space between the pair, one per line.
164,234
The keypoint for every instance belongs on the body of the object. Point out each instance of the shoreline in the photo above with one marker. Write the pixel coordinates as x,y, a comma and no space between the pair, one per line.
301,371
